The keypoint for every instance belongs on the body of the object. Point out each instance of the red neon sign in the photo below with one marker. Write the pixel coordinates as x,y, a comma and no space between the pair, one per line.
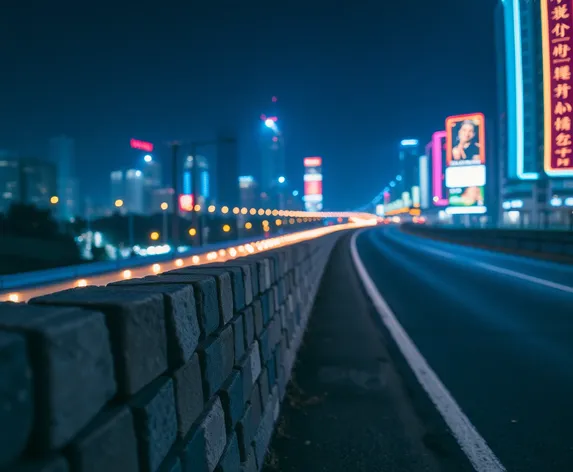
141,145
312,161
313,187
186,202
557,39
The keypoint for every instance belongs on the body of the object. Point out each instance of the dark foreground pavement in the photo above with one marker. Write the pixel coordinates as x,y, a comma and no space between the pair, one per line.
347,409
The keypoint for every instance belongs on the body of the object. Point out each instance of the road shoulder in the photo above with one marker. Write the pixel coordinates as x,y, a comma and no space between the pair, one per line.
347,407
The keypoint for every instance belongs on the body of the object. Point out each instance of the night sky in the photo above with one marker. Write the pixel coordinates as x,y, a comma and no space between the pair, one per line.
352,81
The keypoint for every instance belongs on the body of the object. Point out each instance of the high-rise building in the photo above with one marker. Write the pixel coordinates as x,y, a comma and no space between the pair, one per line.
520,78
247,191
38,182
9,180
162,195
272,150
425,185
152,180
134,183
227,170
62,154
532,194
203,178
409,166
117,187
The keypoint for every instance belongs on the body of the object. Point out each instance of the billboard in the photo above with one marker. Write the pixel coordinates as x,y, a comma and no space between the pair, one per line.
313,183
557,31
141,145
439,189
465,172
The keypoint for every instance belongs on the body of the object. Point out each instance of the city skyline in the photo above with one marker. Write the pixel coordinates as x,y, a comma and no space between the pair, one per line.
348,97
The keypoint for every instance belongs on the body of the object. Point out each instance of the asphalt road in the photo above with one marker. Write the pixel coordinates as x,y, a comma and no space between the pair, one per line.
498,332
348,408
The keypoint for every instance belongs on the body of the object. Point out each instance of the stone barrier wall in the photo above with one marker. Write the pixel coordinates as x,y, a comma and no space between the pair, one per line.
183,371
553,243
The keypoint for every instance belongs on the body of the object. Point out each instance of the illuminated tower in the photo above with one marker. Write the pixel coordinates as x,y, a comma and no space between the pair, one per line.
272,152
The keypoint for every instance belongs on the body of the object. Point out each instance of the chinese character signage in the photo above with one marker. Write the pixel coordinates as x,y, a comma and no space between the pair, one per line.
465,172
557,23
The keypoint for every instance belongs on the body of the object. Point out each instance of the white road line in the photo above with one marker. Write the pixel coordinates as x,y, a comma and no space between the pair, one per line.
528,278
472,444
489,267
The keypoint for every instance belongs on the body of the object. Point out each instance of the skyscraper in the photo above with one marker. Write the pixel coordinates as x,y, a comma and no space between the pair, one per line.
272,150
409,165
152,180
62,154
117,187
38,182
203,178
134,191
522,94
9,180
227,170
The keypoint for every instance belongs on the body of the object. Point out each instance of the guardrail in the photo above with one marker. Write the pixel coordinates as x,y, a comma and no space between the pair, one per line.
180,371
49,276
546,242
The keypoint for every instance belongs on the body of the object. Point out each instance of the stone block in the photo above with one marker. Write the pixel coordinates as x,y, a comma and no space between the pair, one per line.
206,297
232,399
265,429
238,335
107,444
189,399
245,431
217,357
155,418
248,326
206,442
16,395
258,316
136,324
237,281
230,460
72,368
224,287
182,324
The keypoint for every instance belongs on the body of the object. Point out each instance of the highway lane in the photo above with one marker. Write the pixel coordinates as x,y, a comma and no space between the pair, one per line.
498,332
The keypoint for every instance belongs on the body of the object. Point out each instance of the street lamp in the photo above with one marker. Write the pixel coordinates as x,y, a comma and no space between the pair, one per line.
269,123
54,200
164,207
148,158
282,180
119,203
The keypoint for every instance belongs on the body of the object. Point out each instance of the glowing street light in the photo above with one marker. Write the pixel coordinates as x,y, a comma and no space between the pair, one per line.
164,206
282,180
54,200
226,228
269,123
118,203
154,236
148,158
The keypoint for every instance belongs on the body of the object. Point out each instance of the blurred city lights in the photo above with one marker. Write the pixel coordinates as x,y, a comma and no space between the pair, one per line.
148,158
269,123
282,180
226,228
154,236
54,200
